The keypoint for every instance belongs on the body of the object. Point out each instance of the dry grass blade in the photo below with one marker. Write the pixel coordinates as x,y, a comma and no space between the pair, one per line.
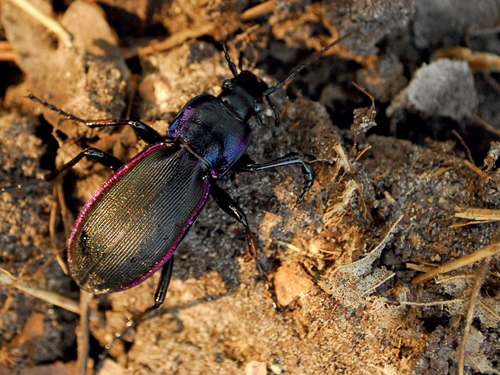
418,267
343,159
481,274
483,253
476,216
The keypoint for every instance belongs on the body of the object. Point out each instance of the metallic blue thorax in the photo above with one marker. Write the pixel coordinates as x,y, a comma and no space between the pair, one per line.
212,131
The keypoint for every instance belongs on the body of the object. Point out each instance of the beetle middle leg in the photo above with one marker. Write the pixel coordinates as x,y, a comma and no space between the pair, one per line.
92,153
161,292
227,204
246,164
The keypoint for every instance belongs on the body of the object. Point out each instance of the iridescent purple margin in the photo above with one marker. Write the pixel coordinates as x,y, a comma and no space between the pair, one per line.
109,183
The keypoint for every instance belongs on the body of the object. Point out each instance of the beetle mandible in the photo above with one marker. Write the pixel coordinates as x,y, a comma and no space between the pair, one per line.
131,227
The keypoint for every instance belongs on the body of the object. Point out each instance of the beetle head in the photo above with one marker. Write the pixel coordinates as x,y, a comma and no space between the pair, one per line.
243,94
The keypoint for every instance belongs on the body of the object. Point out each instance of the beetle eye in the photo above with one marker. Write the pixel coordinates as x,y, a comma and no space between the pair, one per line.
257,107
226,84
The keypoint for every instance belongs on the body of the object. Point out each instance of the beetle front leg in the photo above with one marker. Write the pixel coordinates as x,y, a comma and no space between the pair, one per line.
161,292
275,111
246,164
227,204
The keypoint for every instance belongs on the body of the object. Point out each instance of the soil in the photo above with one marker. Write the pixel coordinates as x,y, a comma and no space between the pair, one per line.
402,133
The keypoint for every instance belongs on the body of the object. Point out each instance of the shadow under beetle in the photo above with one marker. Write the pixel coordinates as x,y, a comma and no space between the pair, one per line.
133,224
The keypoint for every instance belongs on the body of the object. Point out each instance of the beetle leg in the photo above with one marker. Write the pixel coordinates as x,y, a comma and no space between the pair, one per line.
275,111
144,131
92,153
245,164
227,204
161,291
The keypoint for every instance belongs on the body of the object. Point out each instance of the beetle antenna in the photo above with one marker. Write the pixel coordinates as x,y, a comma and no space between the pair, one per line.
292,75
53,108
232,67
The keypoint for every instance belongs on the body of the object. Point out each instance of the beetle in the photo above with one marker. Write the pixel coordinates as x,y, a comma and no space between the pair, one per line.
132,225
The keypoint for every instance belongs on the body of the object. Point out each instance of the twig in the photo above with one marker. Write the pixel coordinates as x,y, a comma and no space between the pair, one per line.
82,334
65,213
461,140
176,39
483,253
51,297
364,92
485,125
481,274
52,226
258,10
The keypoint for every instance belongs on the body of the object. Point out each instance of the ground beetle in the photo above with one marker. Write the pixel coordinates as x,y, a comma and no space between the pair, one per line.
133,224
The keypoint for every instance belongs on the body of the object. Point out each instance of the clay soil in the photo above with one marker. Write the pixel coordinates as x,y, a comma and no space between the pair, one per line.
374,272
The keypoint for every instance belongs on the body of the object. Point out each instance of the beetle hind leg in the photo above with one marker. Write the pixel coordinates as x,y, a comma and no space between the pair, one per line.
227,204
161,291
